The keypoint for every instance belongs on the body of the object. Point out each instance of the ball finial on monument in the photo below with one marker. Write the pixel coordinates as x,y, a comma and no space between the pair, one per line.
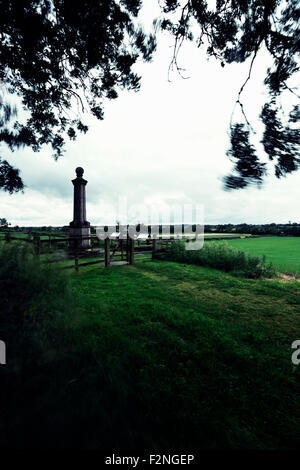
79,172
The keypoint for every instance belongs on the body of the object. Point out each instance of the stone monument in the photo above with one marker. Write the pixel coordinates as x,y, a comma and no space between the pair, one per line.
79,227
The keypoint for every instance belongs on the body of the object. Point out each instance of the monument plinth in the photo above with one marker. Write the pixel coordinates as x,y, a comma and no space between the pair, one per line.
79,227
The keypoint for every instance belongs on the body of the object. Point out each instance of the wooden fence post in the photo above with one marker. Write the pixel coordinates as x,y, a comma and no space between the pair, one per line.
37,244
127,248
153,248
131,251
107,252
76,262
122,254
7,237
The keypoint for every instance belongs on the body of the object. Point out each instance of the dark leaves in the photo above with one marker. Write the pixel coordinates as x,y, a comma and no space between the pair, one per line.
246,163
281,142
9,178
284,68
234,182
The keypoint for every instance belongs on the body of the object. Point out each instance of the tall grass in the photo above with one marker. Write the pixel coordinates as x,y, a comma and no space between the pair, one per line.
221,256
31,293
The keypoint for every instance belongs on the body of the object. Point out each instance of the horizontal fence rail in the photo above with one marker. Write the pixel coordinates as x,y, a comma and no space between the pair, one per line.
108,251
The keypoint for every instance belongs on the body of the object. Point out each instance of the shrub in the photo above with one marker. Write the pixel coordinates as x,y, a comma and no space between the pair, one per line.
220,255
31,292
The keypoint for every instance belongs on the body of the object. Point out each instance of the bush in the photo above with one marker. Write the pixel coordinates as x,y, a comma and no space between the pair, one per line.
220,255
31,293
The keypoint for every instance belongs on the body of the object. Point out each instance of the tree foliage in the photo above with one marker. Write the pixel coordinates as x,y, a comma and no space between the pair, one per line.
3,222
57,52
246,163
54,53
10,179
234,31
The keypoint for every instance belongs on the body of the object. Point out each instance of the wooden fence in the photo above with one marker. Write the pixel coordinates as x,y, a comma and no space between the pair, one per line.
108,252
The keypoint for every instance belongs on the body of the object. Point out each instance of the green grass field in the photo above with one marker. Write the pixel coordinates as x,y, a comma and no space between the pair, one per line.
283,252
159,355
226,235
210,354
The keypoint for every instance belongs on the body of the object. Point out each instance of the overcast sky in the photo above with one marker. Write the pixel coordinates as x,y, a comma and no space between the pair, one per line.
164,145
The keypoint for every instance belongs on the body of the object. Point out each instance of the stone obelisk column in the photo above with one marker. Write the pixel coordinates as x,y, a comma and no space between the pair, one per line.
79,227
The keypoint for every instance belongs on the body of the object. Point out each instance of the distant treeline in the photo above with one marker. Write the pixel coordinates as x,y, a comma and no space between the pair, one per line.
292,229
36,230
